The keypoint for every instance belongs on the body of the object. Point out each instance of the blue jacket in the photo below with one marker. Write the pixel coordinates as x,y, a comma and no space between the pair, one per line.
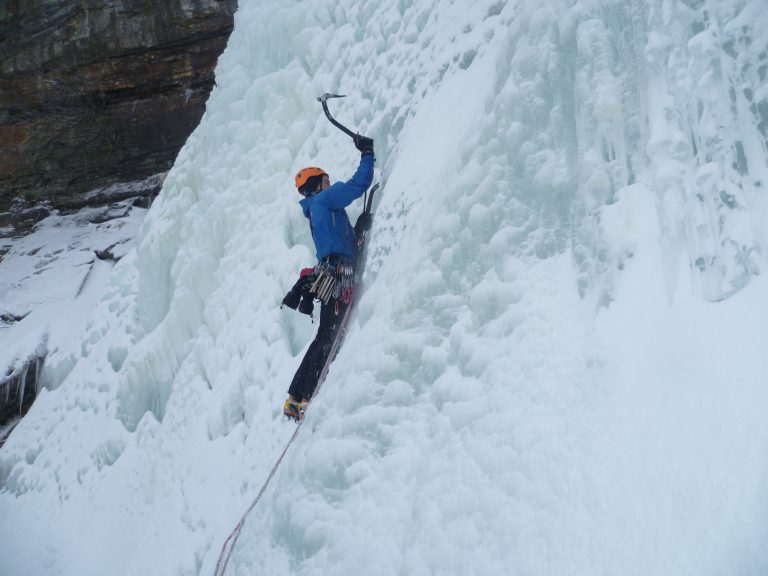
328,221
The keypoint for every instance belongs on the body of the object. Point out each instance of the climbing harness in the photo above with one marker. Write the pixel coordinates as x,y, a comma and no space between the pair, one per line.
335,280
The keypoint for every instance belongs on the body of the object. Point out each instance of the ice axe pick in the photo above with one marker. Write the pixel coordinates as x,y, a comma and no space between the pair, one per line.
324,101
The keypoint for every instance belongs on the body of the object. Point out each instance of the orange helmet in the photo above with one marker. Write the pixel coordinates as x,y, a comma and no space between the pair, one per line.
306,173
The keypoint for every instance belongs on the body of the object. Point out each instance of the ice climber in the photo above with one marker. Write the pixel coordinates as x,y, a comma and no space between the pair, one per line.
332,280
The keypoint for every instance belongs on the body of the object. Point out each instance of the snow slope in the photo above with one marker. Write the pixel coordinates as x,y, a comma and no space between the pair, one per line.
51,279
557,366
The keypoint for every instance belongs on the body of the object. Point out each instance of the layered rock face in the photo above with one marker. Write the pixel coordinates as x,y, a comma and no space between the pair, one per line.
94,92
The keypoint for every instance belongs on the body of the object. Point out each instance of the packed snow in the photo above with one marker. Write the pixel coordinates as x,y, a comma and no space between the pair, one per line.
51,279
557,365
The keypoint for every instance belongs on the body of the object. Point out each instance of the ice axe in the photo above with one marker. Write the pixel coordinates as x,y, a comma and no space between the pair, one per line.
368,200
324,101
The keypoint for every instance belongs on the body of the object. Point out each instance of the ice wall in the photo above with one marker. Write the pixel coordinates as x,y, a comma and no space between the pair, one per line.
570,191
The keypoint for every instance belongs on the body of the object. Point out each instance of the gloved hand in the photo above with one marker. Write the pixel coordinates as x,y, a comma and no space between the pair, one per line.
363,223
300,288
364,144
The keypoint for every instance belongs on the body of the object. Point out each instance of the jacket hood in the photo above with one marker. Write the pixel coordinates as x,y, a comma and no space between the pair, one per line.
304,203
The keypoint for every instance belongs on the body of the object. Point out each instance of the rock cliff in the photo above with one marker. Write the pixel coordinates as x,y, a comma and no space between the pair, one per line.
97,92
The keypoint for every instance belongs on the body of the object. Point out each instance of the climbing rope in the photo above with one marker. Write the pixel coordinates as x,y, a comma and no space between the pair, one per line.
229,543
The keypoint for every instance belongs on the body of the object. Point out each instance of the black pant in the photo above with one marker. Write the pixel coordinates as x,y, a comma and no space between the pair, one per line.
306,378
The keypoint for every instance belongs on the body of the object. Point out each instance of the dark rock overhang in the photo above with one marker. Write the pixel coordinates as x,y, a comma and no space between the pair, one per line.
97,92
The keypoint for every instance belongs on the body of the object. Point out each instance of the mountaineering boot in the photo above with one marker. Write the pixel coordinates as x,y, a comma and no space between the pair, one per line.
294,409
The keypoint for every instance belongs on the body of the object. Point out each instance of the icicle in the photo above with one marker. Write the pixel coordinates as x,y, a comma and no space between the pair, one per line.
23,385
37,374
18,386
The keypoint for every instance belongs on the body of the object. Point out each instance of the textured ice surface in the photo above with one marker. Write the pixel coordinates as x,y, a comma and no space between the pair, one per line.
558,363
